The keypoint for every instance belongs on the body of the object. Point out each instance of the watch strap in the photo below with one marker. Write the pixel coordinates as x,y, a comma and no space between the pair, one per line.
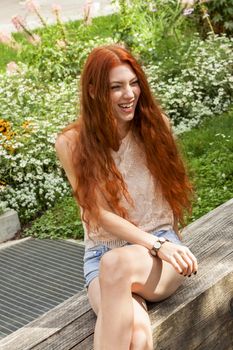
157,245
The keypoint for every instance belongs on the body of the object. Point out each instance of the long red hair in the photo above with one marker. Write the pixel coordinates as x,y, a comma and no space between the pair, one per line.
97,136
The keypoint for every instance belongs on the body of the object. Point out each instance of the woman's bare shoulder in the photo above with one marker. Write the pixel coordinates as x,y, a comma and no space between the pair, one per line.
66,140
167,121
65,145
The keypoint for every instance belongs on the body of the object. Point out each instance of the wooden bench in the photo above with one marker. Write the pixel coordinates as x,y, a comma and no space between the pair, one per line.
198,316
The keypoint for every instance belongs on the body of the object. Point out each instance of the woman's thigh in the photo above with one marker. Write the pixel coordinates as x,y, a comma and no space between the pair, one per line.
150,277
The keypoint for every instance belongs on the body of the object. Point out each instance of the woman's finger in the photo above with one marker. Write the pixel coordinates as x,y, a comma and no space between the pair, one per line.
194,260
189,262
182,263
176,265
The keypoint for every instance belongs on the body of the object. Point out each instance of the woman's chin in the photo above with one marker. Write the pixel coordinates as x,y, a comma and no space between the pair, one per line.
126,117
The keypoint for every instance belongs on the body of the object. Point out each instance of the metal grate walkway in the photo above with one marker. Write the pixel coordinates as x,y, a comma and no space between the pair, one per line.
35,276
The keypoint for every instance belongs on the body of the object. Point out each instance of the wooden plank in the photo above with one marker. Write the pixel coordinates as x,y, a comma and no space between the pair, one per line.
49,324
219,339
71,335
182,317
199,324
86,344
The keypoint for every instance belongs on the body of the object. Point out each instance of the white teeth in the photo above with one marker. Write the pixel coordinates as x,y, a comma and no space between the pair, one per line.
127,106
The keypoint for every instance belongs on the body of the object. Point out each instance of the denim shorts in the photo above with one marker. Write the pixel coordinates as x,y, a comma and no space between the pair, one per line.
92,256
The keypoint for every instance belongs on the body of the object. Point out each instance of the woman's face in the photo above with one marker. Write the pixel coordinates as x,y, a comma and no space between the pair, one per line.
124,93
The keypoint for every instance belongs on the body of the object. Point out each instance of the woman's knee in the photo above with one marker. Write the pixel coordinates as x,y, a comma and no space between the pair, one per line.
141,340
114,267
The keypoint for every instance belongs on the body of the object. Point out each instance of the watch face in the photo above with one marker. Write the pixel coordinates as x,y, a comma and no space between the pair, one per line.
157,245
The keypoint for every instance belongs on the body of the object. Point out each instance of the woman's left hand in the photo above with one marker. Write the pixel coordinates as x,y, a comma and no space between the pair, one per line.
180,257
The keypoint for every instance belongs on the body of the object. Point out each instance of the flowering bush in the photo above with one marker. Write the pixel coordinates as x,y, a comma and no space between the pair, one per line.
54,51
36,101
203,87
31,179
62,60
152,24
39,99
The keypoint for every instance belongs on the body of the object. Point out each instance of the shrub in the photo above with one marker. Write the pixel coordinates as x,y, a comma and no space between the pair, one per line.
61,221
32,114
37,101
203,86
220,14
152,29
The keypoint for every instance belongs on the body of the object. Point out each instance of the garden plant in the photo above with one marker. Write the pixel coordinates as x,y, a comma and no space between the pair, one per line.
186,50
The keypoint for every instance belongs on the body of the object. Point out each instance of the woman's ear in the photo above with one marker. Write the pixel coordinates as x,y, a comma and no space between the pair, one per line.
91,91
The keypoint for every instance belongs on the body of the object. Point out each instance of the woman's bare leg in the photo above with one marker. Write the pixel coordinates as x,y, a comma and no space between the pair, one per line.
122,272
142,338
142,332
108,316
116,306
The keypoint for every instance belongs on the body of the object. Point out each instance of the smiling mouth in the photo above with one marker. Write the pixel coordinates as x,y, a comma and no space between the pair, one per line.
127,106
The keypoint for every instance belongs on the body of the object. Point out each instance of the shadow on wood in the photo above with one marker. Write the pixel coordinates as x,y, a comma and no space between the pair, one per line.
198,316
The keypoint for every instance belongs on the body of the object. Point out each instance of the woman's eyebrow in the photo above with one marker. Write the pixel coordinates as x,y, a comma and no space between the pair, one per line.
120,82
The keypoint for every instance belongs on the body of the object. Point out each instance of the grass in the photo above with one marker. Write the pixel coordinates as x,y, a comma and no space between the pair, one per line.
7,55
209,153
208,150
102,24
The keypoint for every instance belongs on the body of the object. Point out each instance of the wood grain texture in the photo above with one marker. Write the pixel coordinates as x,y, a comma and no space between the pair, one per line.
50,324
197,323
86,344
196,317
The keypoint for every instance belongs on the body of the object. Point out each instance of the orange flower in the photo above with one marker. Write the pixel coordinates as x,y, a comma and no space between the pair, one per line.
4,126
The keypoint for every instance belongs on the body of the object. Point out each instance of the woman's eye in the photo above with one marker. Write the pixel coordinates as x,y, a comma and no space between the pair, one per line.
135,82
115,87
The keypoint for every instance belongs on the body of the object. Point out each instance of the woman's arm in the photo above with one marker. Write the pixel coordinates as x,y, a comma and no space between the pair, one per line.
64,145
180,257
109,221
124,229
120,227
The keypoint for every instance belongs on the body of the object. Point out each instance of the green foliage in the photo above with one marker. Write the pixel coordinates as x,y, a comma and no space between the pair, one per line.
153,29
7,55
197,85
209,152
61,59
62,221
221,16
56,56
191,77
3,207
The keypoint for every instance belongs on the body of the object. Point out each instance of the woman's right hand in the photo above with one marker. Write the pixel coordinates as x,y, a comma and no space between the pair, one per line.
180,257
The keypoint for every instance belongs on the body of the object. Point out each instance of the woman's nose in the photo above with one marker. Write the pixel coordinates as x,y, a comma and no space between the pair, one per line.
128,92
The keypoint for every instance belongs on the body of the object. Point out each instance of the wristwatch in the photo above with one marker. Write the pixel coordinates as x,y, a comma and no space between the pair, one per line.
157,245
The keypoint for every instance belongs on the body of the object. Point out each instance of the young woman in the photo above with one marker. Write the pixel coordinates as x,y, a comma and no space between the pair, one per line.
130,183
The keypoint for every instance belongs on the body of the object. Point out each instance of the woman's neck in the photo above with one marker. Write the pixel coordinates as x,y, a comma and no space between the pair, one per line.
123,130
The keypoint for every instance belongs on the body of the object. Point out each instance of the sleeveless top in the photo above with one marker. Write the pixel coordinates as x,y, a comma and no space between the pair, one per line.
151,211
